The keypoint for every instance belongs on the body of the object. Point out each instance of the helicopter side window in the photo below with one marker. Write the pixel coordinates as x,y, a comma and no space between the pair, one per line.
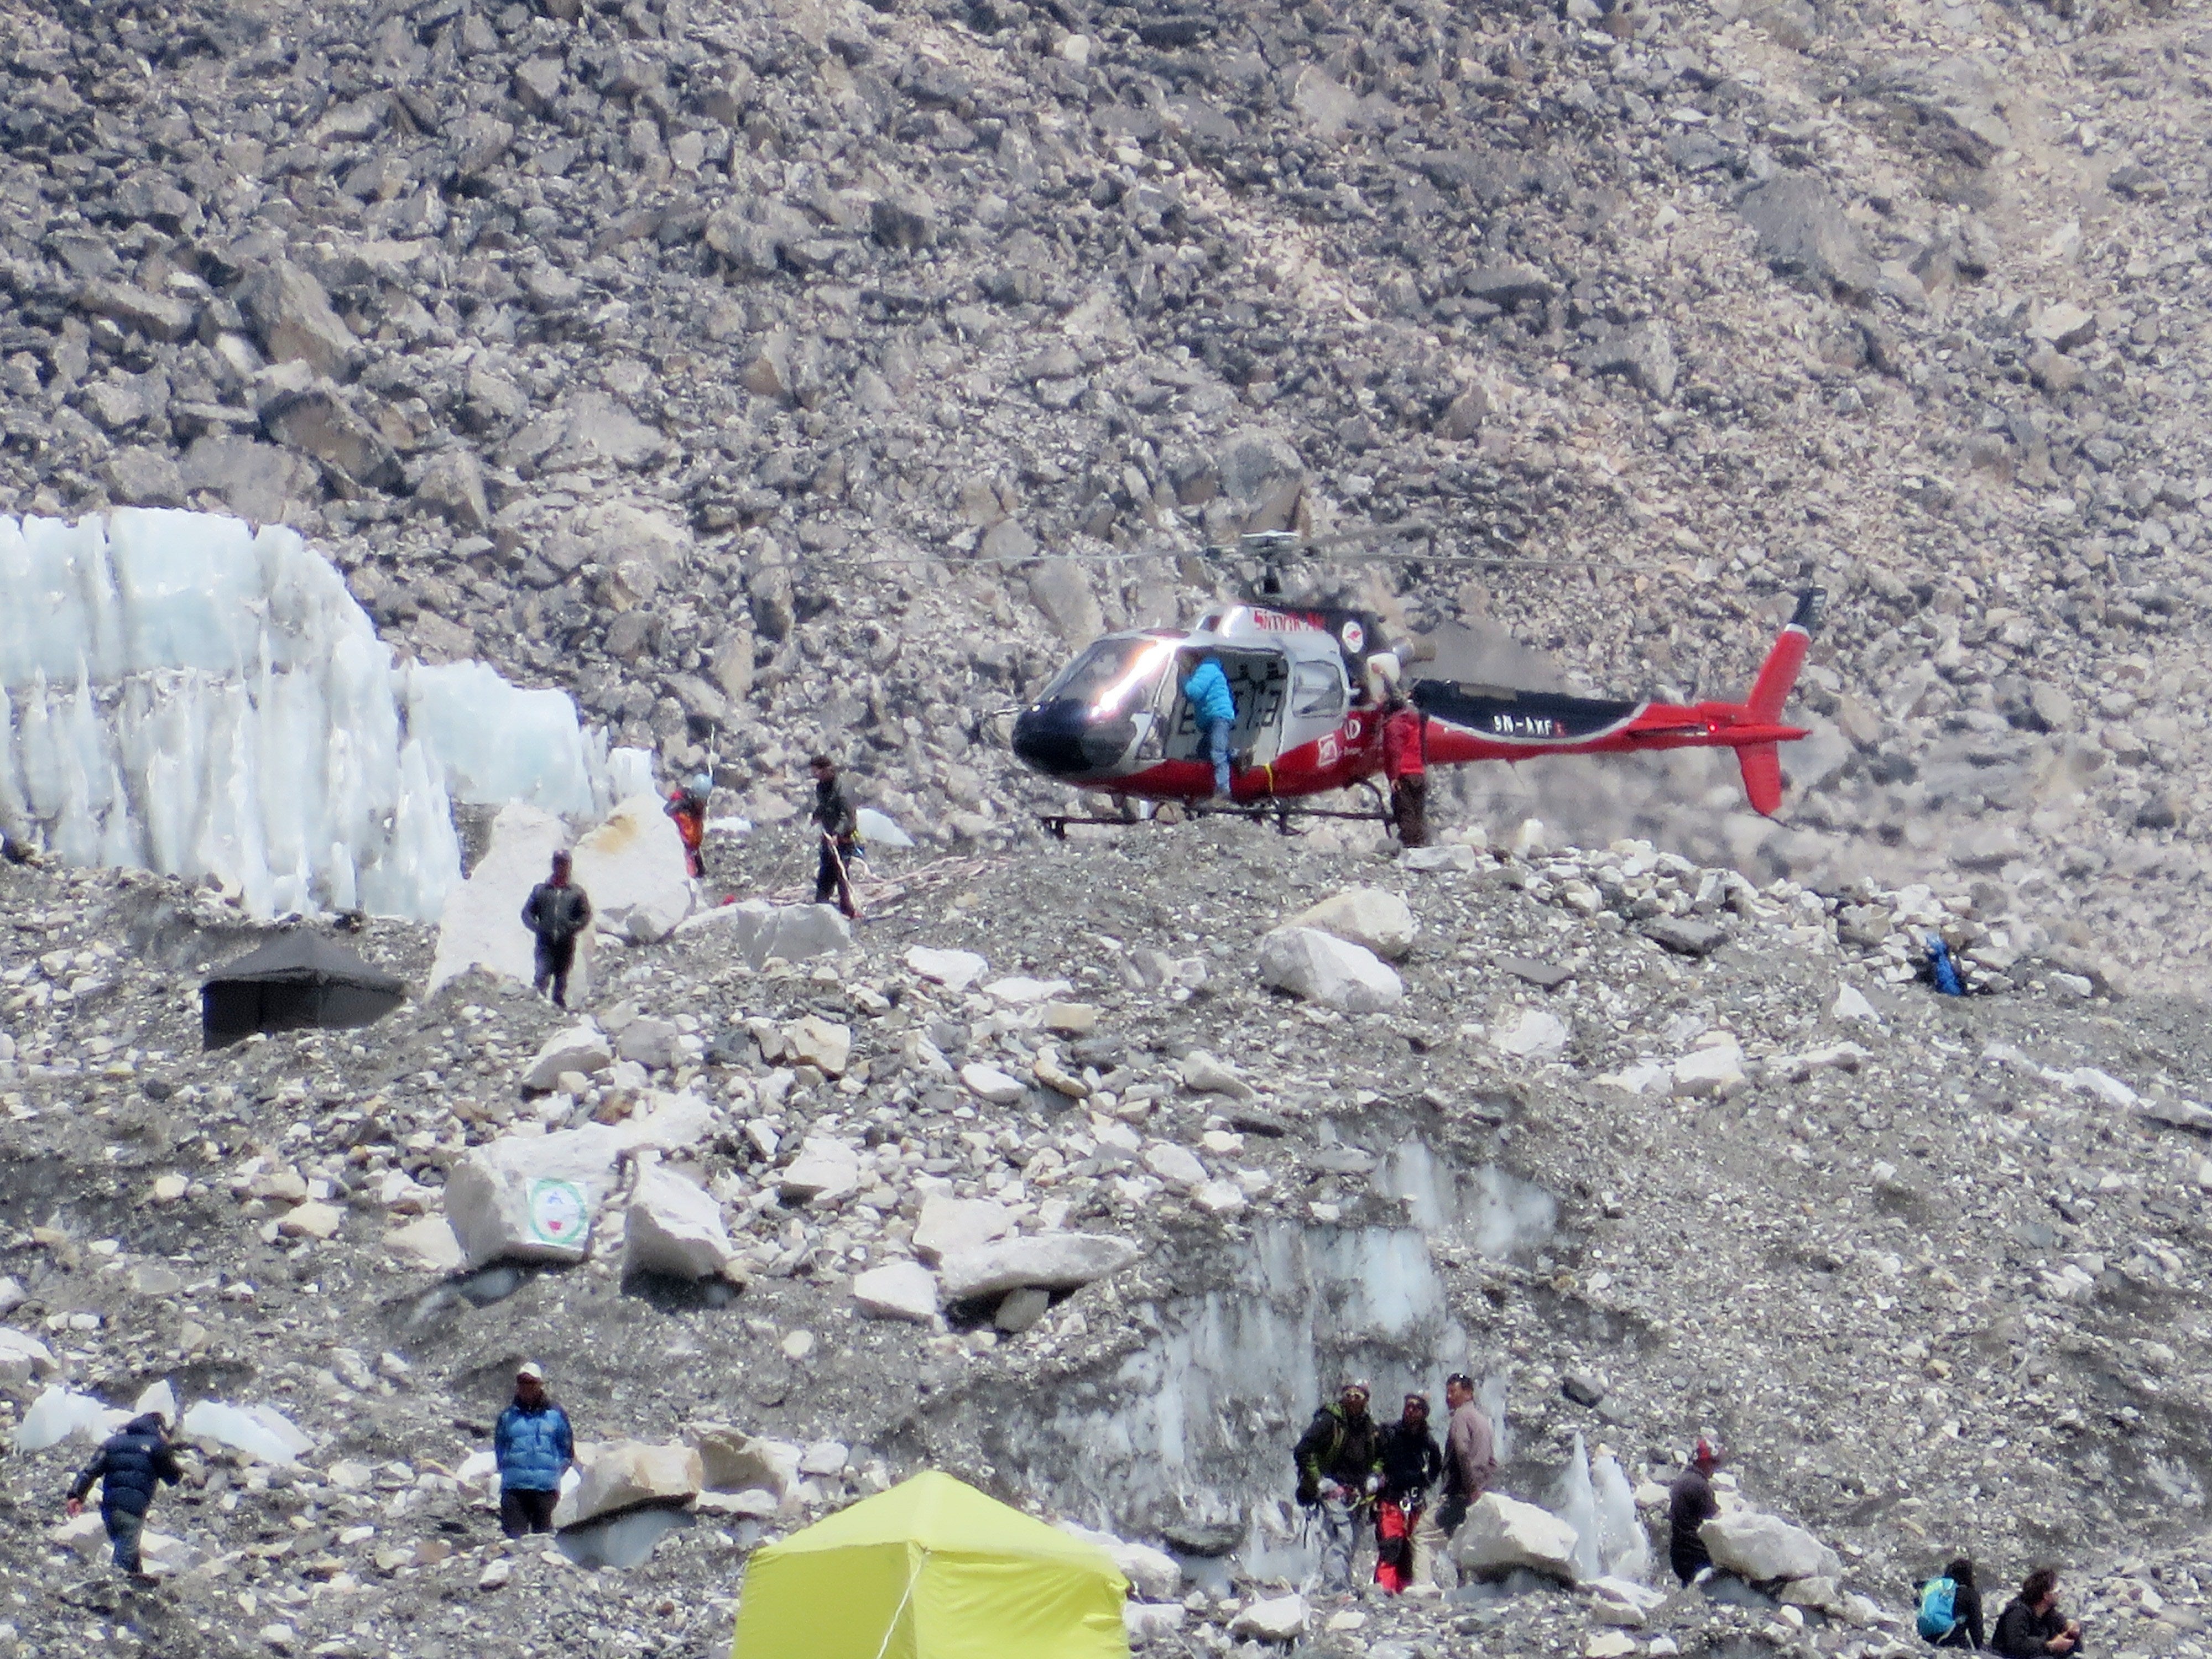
1316,691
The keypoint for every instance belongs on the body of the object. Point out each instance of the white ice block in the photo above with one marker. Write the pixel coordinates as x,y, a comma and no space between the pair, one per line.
182,692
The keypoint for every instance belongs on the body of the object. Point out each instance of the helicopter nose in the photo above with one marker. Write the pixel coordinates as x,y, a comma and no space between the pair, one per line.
1064,740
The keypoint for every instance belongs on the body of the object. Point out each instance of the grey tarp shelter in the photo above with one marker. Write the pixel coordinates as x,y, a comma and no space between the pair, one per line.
298,980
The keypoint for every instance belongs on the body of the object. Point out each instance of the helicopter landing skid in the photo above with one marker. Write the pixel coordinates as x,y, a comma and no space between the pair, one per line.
1256,812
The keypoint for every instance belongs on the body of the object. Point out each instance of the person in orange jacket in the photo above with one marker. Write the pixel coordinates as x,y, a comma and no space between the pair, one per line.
687,805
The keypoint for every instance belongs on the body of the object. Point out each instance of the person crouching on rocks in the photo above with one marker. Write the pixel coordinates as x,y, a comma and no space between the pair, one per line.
1412,1461
130,1465
2031,1627
556,911
534,1446
1339,1463
1690,1504
1949,1607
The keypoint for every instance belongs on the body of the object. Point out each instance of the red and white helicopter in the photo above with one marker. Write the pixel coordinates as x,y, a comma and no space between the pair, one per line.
1308,722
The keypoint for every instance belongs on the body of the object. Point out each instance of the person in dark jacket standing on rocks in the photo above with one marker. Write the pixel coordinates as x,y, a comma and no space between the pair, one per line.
556,911
1690,1504
1340,1463
534,1446
840,824
1411,1461
130,1464
2031,1627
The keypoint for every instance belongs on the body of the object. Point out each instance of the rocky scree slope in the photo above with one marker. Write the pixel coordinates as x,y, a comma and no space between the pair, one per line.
1930,1266
773,376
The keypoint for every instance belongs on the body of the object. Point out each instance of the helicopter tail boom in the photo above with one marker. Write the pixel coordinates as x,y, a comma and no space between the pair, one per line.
1778,673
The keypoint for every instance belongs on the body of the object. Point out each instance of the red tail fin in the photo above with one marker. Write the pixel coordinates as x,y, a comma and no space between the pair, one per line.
1778,673
1762,776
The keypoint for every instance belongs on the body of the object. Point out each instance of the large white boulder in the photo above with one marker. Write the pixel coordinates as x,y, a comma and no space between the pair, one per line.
259,1431
733,1461
1440,858
160,1553
759,929
947,1223
956,970
582,1047
897,1290
60,1413
1623,1601
1762,1548
799,932
23,1357
1318,967
649,1041
1280,1618
532,1198
674,1226
481,924
1049,1261
674,1123
1712,1073
634,869
824,1170
623,1475
1368,916
427,1242
1153,1574
988,1082
1502,1533
824,1044
1146,1622
1535,1034
1176,1166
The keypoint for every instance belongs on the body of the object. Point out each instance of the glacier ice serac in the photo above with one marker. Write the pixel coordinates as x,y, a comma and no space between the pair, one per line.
1196,1422
185,693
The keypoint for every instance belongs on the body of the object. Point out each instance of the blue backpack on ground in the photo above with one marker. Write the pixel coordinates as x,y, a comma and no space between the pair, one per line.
1938,1597
1942,968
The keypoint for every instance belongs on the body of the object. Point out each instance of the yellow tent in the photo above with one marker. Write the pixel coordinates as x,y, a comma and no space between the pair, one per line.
931,1570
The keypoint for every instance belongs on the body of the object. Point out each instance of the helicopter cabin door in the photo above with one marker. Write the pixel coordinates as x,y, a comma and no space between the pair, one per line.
1260,682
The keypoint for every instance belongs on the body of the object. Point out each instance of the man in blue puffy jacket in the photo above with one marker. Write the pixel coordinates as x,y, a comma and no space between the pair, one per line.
1214,709
535,1447
130,1465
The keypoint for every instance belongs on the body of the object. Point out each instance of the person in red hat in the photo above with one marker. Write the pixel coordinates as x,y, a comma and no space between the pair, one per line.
1690,1504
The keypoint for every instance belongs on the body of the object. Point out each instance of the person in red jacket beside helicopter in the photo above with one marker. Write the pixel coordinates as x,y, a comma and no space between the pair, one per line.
1405,762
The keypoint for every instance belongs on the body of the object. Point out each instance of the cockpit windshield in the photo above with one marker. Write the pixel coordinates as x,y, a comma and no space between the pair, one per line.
1107,674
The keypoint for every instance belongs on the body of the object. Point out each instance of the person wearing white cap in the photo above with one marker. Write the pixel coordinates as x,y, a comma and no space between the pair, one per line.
534,1446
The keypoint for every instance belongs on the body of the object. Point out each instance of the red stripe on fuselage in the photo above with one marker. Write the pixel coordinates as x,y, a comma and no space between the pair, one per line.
1340,760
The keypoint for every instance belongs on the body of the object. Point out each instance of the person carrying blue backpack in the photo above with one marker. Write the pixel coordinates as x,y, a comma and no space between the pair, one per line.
1950,1607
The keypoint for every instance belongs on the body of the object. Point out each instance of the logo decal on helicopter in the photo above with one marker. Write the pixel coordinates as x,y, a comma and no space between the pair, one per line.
1354,636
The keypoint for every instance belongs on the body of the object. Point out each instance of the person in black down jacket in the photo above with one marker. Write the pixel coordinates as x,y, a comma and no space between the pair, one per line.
1411,1461
1690,1504
129,1467
556,911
